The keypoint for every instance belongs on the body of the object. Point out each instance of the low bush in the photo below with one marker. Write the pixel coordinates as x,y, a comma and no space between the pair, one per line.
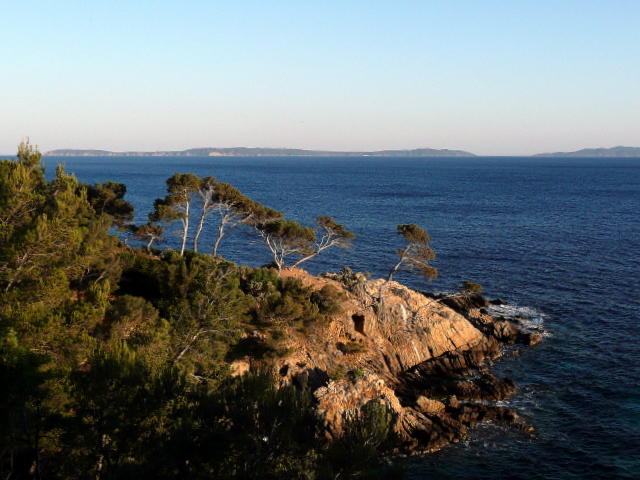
328,299
354,282
338,373
468,286
351,348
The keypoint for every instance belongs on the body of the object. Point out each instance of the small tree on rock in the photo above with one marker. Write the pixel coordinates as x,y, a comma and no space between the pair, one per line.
176,205
206,189
285,238
234,209
332,234
416,254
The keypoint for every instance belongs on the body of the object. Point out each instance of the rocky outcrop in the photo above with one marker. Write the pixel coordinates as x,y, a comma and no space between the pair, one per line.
421,356
340,400
464,301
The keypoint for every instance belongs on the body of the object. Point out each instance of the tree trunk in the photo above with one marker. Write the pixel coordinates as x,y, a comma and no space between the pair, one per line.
221,233
185,222
395,269
199,229
305,259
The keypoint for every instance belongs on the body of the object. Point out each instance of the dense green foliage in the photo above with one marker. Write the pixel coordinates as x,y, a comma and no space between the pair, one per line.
114,362
109,198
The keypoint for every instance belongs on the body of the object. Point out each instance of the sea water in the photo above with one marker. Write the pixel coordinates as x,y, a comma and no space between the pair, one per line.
559,239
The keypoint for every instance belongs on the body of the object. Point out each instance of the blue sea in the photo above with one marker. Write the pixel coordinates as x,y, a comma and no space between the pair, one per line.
559,239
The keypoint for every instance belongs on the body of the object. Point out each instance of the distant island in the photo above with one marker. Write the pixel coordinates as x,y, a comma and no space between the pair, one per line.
597,152
633,152
260,152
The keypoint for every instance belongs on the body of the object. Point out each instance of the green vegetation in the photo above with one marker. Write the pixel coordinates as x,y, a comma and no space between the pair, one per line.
354,282
351,348
114,362
147,233
332,234
366,433
177,204
468,286
285,238
109,198
338,373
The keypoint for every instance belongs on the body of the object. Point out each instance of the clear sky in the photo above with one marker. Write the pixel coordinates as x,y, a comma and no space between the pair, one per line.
506,77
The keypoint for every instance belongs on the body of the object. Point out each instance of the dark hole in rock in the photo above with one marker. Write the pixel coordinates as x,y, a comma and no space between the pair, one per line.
358,323
284,370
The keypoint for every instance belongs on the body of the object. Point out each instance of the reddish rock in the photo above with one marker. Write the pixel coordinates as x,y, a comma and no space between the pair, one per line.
411,347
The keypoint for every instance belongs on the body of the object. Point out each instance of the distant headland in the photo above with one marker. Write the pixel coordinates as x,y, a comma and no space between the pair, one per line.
597,152
633,152
261,152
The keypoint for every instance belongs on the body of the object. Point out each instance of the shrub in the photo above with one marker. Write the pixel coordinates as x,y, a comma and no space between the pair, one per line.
353,281
328,300
351,348
292,287
260,281
468,286
338,373
367,433
262,349
277,310
289,303
279,334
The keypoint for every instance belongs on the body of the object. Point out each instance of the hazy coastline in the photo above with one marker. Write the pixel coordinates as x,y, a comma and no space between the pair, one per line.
614,152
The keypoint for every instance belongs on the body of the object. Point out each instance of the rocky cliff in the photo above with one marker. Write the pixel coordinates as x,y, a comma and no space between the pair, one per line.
423,357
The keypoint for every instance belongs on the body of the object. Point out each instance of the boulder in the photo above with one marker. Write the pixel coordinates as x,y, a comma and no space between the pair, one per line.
461,302
340,399
427,405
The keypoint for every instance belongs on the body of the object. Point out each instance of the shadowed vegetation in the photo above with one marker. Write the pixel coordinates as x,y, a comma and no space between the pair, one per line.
114,362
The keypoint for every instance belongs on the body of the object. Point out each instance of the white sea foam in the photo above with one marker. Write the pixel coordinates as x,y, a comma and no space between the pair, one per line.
530,318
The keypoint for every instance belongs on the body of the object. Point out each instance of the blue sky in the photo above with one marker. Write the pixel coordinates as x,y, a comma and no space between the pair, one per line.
491,77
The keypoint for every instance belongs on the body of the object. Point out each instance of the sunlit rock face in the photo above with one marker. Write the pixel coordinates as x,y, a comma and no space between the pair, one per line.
417,355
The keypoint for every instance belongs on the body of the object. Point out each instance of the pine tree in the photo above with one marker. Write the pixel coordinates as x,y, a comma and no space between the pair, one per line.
177,204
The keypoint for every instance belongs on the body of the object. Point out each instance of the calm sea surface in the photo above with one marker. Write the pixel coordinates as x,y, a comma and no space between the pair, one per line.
559,238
